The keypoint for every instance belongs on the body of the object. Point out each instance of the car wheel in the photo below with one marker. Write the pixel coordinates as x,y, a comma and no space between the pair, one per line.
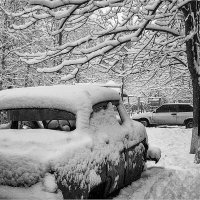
189,124
144,122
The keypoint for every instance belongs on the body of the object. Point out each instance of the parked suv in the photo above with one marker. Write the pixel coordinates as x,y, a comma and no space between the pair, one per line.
168,114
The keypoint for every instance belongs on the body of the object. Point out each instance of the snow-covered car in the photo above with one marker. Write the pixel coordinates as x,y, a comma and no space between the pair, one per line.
168,114
64,142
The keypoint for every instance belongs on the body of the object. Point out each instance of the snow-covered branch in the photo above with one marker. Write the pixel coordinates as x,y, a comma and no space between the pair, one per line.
88,30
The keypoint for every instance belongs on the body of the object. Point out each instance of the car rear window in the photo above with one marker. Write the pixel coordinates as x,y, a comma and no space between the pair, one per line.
34,118
109,108
185,108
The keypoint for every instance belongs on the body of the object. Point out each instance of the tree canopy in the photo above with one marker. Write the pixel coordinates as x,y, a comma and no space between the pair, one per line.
106,33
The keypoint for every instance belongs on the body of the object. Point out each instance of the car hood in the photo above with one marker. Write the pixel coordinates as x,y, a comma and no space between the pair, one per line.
25,155
141,115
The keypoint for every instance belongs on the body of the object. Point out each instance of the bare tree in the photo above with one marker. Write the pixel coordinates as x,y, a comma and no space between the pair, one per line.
192,29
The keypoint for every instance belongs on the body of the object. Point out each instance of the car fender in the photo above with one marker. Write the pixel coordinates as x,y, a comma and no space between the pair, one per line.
142,116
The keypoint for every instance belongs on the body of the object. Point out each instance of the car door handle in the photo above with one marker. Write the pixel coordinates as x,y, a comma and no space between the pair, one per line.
173,114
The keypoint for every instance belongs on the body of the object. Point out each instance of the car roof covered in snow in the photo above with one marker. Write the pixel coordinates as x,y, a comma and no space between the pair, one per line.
62,97
177,104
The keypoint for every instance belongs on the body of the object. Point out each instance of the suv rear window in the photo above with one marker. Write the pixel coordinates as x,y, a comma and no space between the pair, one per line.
185,108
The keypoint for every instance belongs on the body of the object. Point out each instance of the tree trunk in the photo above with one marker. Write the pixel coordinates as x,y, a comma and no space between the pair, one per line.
191,25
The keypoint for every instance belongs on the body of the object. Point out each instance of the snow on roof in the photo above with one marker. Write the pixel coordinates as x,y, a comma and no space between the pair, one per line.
176,103
109,84
77,99
64,97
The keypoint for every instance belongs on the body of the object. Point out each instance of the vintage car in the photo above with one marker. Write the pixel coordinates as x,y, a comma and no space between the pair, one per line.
64,142
168,114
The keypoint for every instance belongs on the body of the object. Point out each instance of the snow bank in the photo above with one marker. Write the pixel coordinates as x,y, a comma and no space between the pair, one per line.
161,183
174,143
36,192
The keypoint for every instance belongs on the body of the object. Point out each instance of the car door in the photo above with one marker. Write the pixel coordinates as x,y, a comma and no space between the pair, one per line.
184,112
135,159
135,153
165,115
106,122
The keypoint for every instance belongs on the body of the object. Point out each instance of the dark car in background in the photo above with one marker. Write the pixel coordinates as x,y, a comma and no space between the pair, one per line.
168,114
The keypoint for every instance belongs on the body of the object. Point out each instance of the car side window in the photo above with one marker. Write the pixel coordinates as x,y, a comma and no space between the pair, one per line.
173,108
166,109
185,108
163,108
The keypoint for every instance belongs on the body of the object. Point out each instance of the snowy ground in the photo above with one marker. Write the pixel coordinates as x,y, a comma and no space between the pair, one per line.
175,176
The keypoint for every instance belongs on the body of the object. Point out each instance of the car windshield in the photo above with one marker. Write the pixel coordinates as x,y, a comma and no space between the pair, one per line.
33,118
